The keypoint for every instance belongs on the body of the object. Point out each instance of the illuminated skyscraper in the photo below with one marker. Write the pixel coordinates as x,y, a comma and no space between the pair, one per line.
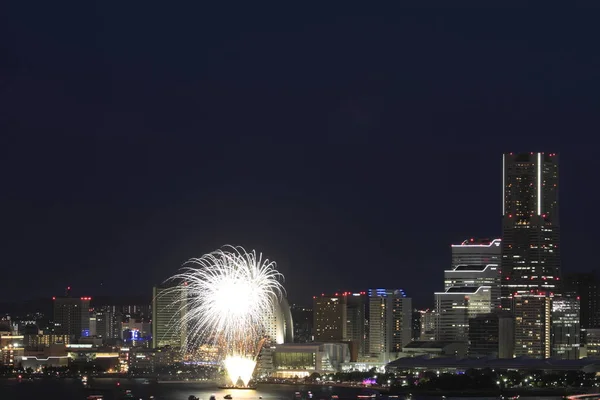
476,262
533,313
329,318
390,323
456,306
530,222
72,316
565,328
168,310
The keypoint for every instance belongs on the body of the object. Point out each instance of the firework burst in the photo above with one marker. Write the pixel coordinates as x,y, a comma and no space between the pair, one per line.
227,297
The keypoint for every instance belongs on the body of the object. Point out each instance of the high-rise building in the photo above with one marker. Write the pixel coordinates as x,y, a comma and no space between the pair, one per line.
356,304
565,328
428,323
454,308
492,335
72,315
533,313
168,311
330,319
585,286
530,223
476,262
278,323
390,322
303,323
416,325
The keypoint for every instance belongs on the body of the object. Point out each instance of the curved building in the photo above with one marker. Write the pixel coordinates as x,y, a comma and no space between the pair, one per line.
279,324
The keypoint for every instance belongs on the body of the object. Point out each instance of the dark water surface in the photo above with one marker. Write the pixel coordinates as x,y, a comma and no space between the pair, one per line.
70,389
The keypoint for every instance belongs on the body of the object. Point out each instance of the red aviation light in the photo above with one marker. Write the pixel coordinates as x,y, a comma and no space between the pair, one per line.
578,298
314,297
53,298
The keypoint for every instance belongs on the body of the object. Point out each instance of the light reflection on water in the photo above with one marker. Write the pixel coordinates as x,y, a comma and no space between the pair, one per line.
69,389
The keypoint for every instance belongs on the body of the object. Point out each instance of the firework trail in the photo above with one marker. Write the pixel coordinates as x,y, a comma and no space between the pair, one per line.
227,296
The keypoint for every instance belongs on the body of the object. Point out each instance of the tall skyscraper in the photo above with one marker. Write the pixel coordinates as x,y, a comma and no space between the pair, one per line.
355,319
390,322
329,318
533,313
456,306
476,262
492,335
565,328
278,324
530,222
72,315
168,311
585,286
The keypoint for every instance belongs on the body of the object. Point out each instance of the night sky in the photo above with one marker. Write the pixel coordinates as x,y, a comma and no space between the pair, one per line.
353,146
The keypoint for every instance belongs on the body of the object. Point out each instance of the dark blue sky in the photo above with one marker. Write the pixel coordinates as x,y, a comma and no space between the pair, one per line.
353,146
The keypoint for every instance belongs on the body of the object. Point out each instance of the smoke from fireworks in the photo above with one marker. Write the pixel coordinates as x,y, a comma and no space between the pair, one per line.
228,295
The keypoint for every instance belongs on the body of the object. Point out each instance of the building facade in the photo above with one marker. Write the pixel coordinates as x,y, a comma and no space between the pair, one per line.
492,335
530,226
454,308
532,313
390,323
329,318
565,328
169,307
356,319
476,262
585,287
72,316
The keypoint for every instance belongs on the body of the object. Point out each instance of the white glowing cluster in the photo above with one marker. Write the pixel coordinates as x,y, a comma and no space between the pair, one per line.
227,295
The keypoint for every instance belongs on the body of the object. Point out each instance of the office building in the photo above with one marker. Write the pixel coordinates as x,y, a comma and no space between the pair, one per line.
593,342
530,237
565,328
476,262
356,304
303,323
416,325
428,323
169,307
278,323
491,335
72,315
532,313
390,323
454,308
330,318
585,286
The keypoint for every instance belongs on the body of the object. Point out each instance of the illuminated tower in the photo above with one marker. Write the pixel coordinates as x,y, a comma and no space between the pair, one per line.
330,318
530,236
390,323
168,311
476,262
72,315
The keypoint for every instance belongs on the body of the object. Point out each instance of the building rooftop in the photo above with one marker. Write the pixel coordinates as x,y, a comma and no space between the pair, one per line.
463,289
483,242
471,267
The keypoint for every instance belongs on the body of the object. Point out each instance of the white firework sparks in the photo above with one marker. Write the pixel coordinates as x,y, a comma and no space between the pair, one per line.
228,295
